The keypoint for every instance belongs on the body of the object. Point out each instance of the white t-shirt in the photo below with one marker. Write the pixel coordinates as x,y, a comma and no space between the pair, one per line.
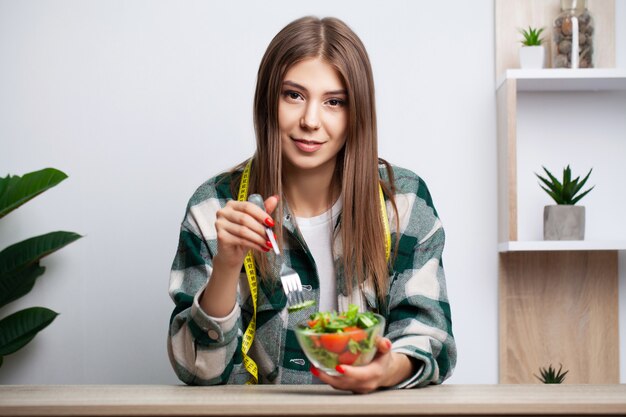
318,233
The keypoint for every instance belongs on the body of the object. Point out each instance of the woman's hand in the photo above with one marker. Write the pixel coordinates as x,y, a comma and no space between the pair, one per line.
387,369
240,226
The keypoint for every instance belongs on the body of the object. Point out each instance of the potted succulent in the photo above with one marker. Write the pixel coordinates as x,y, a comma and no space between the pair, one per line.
551,375
564,221
532,53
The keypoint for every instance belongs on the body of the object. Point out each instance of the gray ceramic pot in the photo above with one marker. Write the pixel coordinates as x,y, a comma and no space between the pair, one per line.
563,222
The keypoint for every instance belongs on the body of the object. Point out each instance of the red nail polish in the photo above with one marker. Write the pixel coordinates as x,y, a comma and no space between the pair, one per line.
315,371
339,369
268,244
269,222
388,343
266,249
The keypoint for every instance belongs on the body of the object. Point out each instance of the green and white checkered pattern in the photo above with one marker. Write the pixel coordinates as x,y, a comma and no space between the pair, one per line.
207,351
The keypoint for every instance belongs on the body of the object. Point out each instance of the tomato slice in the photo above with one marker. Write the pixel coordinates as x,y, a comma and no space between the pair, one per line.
312,323
315,340
334,342
348,358
356,333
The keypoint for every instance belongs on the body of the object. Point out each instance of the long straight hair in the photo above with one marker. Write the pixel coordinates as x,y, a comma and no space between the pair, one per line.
361,230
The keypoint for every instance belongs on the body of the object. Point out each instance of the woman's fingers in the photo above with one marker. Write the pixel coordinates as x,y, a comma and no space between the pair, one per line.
383,345
238,219
236,211
362,379
271,203
349,381
244,236
242,223
225,237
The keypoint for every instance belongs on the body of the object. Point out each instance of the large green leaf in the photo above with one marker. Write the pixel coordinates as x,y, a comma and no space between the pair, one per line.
29,251
574,201
556,185
556,197
20,328
580,186
16,190
19,283
567,175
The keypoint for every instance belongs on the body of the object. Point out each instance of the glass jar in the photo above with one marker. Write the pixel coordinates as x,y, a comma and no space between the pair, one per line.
572,36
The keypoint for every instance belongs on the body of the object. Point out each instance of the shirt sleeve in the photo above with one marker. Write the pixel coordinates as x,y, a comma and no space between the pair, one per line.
419,316
201,348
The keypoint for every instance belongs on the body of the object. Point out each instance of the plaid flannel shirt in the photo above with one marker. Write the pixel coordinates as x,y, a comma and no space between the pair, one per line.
205,350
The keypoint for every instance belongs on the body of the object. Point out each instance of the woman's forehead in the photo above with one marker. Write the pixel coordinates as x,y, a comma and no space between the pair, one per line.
315,75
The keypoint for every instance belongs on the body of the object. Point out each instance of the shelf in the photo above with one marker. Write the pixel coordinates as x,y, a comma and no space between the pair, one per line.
562,79
561,245
555,291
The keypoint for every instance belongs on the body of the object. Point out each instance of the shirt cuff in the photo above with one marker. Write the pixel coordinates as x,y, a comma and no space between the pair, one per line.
427,369
213,330
412,378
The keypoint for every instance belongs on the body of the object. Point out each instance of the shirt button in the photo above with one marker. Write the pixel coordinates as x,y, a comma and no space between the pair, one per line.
213,334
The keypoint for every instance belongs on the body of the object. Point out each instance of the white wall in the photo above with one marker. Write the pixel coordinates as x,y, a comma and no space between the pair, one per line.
141,101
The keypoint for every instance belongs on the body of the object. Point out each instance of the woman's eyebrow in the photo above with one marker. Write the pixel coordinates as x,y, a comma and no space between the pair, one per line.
303,88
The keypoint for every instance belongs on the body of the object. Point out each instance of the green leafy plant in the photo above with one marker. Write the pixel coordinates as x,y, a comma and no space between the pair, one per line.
565,192
551,375
531,36
19,263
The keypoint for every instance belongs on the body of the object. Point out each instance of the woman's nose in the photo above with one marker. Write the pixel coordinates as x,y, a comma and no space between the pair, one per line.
311,117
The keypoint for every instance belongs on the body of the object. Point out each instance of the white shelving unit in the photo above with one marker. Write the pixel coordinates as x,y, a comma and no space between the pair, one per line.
560,245
571,286
516,81
594,79
558,300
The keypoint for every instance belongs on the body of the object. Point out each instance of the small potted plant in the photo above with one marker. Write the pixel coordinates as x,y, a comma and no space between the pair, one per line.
532,53
551,375
564,221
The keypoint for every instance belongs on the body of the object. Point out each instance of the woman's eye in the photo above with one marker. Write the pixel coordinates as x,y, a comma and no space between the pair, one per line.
292,95
335,102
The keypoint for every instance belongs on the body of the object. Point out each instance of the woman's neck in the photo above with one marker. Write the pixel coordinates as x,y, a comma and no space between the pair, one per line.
308,191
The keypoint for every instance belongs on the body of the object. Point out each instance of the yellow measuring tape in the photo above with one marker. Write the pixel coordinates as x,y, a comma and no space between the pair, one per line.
383,214
248,336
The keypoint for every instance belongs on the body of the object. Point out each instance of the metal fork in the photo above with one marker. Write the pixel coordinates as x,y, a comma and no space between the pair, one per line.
292,286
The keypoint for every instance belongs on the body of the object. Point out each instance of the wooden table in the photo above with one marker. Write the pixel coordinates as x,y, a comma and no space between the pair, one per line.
316,400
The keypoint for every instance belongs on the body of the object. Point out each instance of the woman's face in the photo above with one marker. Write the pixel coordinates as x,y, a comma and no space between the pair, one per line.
312,115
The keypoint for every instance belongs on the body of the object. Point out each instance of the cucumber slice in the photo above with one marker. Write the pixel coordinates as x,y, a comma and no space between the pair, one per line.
301,306
365,322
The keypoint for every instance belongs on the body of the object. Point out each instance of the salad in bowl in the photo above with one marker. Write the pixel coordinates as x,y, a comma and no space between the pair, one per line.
329,339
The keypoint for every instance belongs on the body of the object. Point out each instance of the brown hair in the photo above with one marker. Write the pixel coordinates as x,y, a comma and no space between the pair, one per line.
361,230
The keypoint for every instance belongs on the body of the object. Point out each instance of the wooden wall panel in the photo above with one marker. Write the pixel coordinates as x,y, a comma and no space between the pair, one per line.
559,307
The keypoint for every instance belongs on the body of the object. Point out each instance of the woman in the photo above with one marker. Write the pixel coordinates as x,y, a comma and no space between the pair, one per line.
316,156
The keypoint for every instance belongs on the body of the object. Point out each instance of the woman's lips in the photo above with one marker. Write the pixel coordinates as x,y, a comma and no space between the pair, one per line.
307,145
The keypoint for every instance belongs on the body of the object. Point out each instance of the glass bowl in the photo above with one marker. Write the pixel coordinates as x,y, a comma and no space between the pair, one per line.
354,347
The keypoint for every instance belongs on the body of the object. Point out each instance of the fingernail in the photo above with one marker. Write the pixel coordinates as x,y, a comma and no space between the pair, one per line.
268,244
339,369
266,249
315,371
388,344
269,222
